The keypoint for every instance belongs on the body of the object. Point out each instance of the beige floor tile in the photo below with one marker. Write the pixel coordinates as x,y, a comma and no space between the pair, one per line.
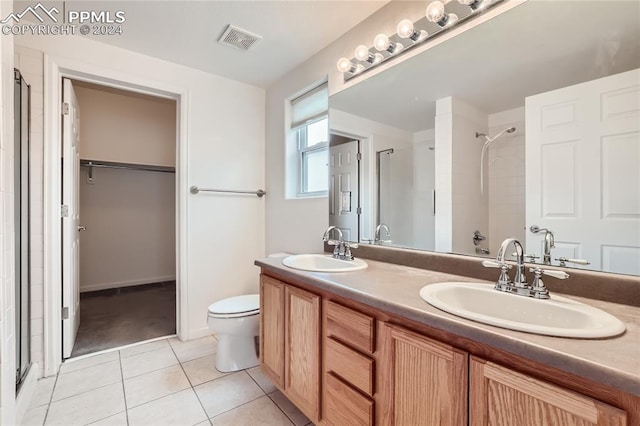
147,387
84,380
42,394
262,380
205,423
35,416
146,347
261,411
289,409
202,370
182,408
119,419
192,349
226,393
148,361
87,407
71,365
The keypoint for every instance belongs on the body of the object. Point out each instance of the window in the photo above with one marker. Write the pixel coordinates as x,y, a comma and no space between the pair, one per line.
311,126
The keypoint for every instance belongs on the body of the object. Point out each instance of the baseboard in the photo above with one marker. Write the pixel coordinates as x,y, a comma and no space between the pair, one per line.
27,389
197,333
104,286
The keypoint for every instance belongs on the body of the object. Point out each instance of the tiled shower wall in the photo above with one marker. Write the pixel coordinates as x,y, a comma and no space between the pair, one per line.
31,65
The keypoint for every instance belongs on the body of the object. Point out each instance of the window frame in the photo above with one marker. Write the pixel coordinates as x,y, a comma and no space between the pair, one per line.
302,151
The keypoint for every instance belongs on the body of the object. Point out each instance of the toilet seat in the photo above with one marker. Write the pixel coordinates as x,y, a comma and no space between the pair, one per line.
235,307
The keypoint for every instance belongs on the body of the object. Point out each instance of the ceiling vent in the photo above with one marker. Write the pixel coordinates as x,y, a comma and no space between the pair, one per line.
239,38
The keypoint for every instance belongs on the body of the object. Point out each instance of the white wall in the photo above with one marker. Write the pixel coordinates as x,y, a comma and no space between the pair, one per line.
129,215
506,178
130,220
423,186
225,126
7,249
126,127
461,208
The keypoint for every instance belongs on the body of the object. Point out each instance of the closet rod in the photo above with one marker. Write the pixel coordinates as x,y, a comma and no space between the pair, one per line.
260,193
126,166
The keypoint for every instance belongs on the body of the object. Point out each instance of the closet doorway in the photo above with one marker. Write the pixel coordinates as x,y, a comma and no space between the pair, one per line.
119,249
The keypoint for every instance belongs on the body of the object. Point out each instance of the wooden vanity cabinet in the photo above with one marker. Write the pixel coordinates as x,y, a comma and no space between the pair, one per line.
342,363
501,396
290,342
420,381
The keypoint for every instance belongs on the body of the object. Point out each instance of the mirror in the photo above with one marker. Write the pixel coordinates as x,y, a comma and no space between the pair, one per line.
550,91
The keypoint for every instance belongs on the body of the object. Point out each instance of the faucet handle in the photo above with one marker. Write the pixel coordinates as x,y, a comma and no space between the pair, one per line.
494,264
561,275
531,256
333,242
564,260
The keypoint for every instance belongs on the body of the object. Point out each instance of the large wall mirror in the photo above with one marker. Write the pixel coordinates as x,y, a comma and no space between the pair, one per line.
530,120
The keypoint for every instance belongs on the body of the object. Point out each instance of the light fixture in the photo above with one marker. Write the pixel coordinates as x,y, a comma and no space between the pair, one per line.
406,29
366,58
363,54
435,13
474,4
383,44
345,65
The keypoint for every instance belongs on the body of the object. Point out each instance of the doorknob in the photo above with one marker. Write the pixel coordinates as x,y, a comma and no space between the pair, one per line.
82,228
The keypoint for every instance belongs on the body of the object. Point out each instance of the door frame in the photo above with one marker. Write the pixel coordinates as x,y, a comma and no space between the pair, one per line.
55,68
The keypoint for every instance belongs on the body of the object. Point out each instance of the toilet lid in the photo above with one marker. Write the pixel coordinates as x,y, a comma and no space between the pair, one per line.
236,305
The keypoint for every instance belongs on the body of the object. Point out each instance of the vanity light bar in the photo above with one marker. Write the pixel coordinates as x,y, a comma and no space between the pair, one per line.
438,19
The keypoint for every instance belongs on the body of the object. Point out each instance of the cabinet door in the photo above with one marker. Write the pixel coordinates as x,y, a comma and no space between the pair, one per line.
500,396
302,350
272,329
420,381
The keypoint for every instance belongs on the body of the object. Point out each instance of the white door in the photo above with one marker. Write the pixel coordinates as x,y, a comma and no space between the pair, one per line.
344,189
70,220
586,189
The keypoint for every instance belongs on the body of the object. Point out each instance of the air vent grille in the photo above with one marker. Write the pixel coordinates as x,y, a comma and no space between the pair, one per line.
239,38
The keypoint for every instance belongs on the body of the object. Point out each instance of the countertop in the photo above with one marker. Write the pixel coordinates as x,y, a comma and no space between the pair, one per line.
394,288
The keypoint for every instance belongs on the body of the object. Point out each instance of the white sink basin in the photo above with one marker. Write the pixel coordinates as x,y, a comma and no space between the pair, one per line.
322,263
557,316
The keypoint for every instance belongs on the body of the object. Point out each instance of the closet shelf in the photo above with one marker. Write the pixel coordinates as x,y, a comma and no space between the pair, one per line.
126,166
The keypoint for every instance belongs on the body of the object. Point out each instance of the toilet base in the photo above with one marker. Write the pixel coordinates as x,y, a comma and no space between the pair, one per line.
236,353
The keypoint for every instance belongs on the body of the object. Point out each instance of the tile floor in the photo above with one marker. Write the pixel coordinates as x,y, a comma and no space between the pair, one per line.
166,382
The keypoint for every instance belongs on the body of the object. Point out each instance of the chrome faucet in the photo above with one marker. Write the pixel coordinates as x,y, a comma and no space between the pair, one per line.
376,237
342,249
519,285
520,280
549,242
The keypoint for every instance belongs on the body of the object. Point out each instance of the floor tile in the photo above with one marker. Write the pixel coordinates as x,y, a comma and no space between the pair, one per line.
35,416
202,370
84,380
73,365
205,423
226,393
148,361
262,380
261,411
289,409
147,387
87,407
119,419
42,394
192,349
146,347
182,408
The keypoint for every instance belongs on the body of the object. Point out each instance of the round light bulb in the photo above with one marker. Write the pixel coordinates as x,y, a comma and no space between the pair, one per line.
381,42
405,28
362,53
453,18
344,65
435,11
467,2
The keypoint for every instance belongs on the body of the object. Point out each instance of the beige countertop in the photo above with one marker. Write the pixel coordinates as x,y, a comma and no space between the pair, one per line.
394,289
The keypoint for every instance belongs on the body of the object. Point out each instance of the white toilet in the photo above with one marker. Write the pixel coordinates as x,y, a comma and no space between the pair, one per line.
235,322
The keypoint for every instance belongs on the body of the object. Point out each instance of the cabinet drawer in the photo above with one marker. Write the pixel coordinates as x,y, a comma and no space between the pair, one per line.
353,367
349,326
344,406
